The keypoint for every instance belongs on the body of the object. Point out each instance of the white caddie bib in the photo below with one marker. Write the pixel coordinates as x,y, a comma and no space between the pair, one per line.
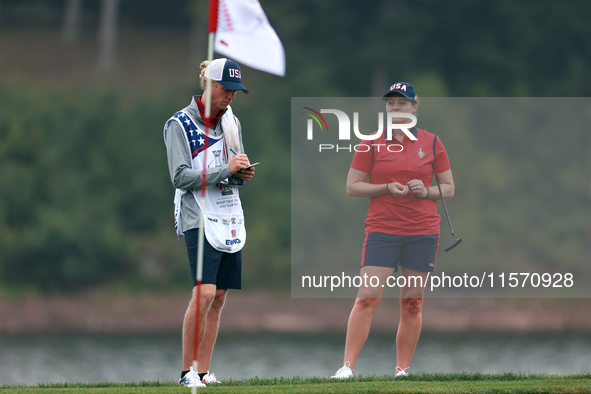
223,217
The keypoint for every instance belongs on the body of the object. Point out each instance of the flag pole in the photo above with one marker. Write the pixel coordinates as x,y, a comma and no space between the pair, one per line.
212,27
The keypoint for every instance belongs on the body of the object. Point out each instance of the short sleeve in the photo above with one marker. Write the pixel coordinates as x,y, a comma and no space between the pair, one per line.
441,163
363,157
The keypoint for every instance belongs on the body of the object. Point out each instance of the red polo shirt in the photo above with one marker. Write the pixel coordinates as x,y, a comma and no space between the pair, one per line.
408,215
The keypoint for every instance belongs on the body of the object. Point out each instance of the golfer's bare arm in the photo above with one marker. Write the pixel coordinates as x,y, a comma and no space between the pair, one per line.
446,180
358,187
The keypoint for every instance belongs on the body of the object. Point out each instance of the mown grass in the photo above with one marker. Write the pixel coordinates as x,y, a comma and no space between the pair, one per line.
423,383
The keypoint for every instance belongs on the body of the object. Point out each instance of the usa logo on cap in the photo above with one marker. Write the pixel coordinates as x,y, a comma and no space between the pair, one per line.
234,73
403,88
226,72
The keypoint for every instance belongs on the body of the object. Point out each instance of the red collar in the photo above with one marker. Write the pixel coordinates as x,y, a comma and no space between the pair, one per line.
212,120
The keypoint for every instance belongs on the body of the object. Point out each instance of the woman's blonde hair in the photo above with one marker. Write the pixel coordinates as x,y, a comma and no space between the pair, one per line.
202,78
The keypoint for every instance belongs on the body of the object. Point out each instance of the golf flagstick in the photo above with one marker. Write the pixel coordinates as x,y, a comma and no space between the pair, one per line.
213,18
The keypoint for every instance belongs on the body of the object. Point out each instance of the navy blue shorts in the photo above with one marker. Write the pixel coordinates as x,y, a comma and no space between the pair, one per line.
417,252
219,268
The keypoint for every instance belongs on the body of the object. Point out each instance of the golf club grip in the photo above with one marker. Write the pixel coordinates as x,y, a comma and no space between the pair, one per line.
444,205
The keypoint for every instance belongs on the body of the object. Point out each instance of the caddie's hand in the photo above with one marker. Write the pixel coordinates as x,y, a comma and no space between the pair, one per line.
417,187
245,174
238,162
396,189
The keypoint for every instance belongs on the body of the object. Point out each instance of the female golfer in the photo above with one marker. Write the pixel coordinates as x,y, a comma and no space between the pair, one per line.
402,225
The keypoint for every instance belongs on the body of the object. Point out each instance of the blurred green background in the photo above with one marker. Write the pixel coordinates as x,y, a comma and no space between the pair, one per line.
85,196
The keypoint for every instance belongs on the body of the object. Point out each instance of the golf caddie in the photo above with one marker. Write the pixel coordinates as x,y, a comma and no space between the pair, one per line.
206,152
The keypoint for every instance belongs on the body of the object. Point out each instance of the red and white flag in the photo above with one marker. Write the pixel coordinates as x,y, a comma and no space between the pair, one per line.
245,35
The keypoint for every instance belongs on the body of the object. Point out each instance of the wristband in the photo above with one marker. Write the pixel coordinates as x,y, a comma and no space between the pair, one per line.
428,193
388,190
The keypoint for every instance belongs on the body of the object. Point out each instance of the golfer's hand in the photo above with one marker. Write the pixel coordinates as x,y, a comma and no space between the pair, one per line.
417,187
245,174
397,190
238,163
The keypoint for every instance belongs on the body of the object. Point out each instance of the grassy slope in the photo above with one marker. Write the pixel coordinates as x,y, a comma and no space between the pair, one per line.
452,382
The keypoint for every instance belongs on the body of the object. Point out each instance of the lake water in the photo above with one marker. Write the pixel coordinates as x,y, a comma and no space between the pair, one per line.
31,359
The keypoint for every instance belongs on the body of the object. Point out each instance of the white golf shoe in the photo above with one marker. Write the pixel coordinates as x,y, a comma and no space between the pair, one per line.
401,372
210,378
191,379
344,372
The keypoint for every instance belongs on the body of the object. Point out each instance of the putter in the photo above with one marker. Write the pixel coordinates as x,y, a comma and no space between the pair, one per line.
456,240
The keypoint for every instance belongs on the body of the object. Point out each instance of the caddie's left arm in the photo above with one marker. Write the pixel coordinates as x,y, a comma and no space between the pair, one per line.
244,174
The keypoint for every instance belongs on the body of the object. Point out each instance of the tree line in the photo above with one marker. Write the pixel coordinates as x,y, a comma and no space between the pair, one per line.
87,199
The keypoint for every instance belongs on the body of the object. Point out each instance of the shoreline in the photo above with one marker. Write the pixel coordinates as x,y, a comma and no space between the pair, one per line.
96,312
